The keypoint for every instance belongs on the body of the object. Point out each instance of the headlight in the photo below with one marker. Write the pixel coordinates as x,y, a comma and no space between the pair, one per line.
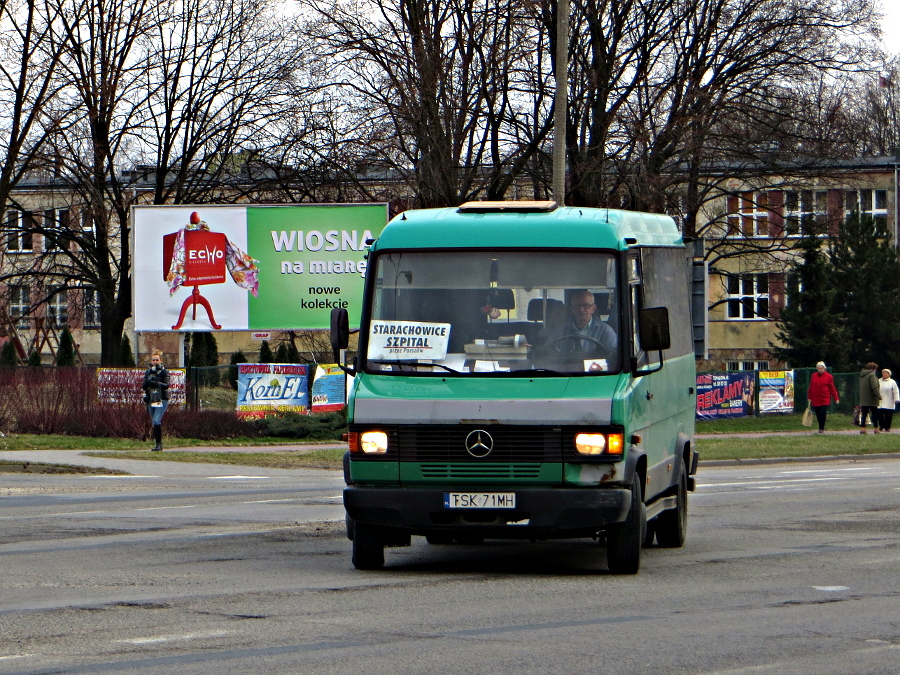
599,444
590,444
373,442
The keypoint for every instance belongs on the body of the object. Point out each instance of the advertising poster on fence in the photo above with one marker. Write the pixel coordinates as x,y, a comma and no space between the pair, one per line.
776,391
328,388
123,385
254,268
725,395
268,388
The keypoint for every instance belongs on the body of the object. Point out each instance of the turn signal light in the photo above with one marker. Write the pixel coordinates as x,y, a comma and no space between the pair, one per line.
616,444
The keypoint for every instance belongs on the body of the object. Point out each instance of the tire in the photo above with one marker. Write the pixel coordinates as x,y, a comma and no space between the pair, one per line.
368,548
625,541
671,526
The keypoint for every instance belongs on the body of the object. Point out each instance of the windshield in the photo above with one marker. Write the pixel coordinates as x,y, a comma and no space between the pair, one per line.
467,312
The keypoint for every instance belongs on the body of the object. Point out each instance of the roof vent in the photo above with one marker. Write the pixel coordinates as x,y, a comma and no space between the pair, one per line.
507,207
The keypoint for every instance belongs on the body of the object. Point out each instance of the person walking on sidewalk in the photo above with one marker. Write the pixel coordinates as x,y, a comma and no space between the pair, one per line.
889,397
869,396
821,392
156,394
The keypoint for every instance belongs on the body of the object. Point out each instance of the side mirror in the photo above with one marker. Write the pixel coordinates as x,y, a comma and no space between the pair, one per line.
340,331
654,329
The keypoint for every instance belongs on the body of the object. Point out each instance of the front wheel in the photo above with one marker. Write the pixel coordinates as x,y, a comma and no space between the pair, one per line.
624,541
368,548
671,526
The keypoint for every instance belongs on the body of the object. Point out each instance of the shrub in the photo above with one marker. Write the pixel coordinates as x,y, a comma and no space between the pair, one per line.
236,358
126,354
65,354
265,352
8,356
207,425
314,427
34,359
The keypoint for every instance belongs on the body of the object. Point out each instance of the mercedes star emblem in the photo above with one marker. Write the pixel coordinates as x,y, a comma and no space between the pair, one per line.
479,443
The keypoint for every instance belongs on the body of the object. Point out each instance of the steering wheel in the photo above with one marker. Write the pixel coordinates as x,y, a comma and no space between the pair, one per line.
556,345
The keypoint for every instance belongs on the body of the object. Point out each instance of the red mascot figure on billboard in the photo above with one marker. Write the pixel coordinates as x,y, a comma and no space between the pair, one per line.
194,256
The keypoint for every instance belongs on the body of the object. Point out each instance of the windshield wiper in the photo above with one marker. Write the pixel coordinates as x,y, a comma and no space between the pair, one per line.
398,362
547,371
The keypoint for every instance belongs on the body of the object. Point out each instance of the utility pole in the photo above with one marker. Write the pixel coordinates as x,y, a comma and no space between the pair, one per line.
560,101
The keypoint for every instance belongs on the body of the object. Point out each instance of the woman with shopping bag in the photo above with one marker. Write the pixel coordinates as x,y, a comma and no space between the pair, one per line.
821,391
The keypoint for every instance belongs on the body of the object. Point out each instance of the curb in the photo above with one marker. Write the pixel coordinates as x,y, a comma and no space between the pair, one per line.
793,460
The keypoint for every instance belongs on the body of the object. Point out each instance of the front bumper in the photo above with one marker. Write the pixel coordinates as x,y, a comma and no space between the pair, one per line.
540,513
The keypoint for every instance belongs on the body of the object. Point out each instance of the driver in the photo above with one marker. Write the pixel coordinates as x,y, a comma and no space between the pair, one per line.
580,320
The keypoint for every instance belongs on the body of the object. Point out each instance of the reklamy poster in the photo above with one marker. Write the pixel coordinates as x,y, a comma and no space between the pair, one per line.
328,388
268,388
124,385
776,391
250,267
725,395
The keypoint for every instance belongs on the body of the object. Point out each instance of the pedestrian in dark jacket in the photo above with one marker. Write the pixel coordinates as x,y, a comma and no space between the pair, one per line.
156,394
869,396
821,392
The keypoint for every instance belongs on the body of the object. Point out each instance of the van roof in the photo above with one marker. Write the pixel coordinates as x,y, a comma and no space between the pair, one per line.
527,224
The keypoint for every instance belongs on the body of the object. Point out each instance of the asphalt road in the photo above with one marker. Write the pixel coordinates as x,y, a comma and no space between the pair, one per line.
788,568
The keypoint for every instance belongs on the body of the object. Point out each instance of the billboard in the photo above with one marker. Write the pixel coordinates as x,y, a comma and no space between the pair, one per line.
725,394
258,268
269,388
776,391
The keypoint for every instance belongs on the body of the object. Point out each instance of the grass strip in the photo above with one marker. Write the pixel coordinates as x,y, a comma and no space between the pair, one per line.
56,442
305,459
801,445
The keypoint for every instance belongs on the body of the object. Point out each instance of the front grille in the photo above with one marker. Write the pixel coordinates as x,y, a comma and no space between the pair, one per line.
480,471
446,444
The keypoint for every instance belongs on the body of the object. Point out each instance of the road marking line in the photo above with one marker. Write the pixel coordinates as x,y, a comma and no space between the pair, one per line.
163,508
236,477
172,638
789,481
831,470
832,589
113,477
271,501
15,656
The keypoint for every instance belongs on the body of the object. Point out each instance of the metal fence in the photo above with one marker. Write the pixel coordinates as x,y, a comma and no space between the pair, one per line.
847,385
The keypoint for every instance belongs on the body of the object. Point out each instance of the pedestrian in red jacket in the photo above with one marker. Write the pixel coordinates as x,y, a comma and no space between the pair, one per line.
821,391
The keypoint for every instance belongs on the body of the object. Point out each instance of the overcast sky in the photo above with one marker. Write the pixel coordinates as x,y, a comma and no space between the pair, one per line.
891,25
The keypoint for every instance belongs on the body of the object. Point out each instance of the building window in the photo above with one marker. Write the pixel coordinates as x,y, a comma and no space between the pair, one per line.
804,208
748,296
87,229
20,305
58,307
91,308
871,203
19,229
748,215
55,227
747,365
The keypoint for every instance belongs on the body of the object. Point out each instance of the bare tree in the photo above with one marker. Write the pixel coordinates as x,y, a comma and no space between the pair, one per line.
29,58
432,90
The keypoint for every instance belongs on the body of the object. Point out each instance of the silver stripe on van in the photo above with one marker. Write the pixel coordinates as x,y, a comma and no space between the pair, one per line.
517,411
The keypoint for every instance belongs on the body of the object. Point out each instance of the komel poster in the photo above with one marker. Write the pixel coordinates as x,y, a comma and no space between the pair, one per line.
269,388
725,395
206,267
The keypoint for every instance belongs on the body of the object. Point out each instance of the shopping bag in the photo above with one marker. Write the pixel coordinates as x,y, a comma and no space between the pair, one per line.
807,417
856,415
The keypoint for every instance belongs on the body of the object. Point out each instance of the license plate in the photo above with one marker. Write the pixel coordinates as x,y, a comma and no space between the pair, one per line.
479,500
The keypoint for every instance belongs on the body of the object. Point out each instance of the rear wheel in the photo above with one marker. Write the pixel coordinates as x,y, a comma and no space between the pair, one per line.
671,526
368,548
624,541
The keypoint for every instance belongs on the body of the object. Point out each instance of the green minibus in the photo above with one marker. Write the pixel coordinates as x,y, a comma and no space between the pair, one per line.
524,371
